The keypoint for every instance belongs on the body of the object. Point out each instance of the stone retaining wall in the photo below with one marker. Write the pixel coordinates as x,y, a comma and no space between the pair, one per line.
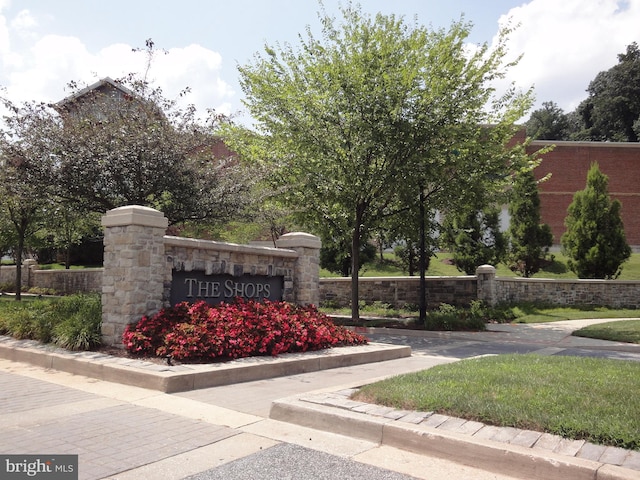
400,291
62,281
68,281
397,291
611,293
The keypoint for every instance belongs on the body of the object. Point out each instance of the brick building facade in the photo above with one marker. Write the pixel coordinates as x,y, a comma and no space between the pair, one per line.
568,164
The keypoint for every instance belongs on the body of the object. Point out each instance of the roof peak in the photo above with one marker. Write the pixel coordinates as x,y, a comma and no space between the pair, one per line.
94,86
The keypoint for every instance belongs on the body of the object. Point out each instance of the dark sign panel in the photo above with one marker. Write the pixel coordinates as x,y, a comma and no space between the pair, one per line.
195,286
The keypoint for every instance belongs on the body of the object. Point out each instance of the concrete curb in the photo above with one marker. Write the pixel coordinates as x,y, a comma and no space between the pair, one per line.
489,455
180,378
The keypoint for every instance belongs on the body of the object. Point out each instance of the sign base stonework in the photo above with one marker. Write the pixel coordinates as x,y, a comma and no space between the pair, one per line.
145,270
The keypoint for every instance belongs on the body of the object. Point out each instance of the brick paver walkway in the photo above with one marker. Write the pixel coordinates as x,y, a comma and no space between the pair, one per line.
108,436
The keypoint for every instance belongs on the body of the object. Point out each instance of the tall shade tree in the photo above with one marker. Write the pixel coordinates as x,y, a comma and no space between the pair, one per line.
612,109
26,142
130,145
549,123
594,241
529,240
362,120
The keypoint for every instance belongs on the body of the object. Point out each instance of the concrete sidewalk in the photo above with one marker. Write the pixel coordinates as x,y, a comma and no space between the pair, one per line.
294,426
122,432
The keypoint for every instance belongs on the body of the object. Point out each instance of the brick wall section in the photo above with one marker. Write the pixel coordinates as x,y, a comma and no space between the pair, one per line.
569,163
400,291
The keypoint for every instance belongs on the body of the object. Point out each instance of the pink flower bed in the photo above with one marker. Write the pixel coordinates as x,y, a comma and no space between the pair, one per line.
233,330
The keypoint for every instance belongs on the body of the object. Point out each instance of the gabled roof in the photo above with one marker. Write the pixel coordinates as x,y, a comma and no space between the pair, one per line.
96,86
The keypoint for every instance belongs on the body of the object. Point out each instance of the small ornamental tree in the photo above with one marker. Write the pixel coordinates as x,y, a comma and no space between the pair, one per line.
529,240
377,113
474,237
595,241
26,133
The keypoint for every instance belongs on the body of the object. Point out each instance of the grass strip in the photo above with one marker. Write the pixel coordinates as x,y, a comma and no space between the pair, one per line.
578,398
621,331
527,313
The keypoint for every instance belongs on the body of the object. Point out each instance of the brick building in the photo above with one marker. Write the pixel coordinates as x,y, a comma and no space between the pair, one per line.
569,163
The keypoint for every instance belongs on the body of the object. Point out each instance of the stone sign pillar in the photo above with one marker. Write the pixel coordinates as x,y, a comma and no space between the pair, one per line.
134,263
487,284
306,278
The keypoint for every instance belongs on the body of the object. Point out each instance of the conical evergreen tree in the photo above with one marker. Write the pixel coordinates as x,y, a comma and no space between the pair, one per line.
595,241
529,240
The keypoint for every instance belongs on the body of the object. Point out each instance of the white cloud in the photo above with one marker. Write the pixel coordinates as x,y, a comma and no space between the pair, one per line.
42,65
199,69
42,72
565,44
5,46
24,21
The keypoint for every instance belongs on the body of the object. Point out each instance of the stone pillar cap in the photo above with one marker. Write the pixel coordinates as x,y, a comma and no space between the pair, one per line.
134,215
298,239
485,269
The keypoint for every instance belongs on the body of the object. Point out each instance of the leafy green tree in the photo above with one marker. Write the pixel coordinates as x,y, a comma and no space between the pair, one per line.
402,229
474,237
612,108
142,149
529,240
26,140
362,121
594,241
335,255
68,226
549,123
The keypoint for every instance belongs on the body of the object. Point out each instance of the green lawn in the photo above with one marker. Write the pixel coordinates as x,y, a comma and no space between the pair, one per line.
528,313
621,331
578,398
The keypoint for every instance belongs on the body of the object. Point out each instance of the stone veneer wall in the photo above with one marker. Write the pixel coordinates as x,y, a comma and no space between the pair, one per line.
139,260
401,291
610,293
8,274
615,294
134,268
85,280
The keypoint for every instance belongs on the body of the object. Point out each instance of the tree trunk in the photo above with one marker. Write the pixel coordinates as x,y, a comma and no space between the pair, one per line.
355,267
423,262
18,259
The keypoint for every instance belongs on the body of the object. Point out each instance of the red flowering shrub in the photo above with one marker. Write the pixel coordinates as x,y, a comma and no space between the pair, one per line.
233,330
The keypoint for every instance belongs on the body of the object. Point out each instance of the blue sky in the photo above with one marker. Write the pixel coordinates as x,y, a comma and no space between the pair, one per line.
44,44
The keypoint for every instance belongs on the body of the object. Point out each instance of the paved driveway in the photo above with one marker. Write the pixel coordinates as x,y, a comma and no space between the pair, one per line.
543,338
